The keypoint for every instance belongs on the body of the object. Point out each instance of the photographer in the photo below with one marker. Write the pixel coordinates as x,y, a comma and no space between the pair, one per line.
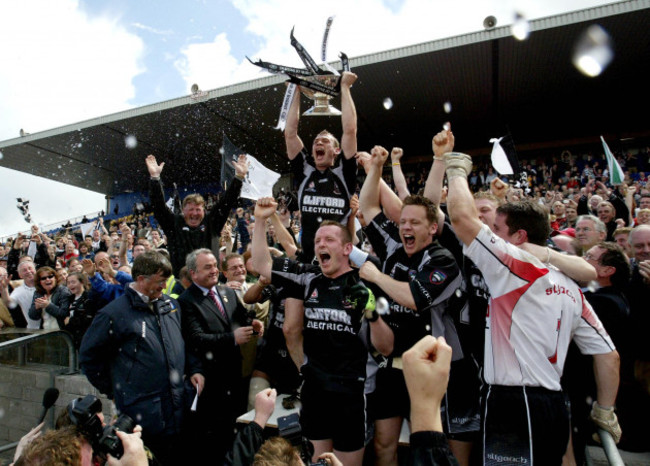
65,446
251,449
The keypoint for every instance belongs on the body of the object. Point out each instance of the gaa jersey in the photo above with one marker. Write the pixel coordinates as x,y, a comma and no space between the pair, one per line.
534,313
435,282
333,341
322,195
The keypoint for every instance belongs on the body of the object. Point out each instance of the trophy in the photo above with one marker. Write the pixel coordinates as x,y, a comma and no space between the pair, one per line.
316,83
322,106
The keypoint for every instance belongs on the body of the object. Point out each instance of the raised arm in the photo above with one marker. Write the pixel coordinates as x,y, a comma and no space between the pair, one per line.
629,203
370,191
460,202
352,219
124,228
283,236
388,200
161,212
398,176
291,138
264,208
348,116
442,143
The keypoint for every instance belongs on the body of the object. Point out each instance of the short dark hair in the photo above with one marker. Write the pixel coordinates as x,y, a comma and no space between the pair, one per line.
430,207
184,273
328,134
151,263
614,256
528,216
83,279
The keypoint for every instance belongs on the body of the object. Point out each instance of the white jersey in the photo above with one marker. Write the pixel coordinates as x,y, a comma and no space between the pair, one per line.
24,296
534,313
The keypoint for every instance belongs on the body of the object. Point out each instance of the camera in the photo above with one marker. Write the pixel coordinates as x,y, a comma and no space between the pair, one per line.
289,429
104,440
250,316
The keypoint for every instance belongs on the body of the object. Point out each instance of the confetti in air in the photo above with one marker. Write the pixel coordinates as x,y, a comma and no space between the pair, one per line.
593,51
130,141
520,28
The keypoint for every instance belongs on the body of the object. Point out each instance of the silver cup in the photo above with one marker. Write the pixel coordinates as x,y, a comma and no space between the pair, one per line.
322,105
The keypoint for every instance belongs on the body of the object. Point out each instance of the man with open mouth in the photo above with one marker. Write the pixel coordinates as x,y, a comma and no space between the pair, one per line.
338,311
425,289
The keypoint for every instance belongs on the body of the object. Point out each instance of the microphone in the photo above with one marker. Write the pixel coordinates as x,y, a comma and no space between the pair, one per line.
49,398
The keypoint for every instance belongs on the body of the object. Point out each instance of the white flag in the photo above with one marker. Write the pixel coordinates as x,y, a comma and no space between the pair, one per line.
499,158
259,181
87,228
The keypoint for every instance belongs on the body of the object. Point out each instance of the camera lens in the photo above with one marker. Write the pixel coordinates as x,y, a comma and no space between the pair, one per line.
110,442
125,424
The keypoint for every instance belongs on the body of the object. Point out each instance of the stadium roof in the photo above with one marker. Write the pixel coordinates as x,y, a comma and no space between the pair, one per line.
493,82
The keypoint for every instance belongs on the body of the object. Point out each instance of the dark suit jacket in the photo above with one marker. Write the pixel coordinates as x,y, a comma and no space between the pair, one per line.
211,337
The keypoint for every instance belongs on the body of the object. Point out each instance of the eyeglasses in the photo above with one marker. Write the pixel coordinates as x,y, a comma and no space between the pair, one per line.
590,257
235,267
46,277
114,257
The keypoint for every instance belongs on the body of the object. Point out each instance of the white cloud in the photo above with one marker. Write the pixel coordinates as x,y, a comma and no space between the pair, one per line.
210,64
360,27
60,66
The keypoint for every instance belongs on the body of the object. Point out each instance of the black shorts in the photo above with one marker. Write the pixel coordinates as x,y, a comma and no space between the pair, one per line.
391,397
461,407
333,415
524,425
277,364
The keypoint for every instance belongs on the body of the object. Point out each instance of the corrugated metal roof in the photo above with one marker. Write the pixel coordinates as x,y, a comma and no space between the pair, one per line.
493,82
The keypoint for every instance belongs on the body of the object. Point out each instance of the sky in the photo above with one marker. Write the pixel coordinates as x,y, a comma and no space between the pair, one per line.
65,61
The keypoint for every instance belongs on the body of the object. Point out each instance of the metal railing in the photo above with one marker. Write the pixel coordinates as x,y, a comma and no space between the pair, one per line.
611,451
21,343
32,336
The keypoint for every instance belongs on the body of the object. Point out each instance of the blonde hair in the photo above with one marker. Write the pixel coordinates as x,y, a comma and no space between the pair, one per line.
277,451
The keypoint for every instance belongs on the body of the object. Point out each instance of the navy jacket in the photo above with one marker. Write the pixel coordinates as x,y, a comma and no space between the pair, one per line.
137,356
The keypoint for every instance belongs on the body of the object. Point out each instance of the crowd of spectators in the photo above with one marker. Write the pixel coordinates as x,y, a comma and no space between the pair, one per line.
62,279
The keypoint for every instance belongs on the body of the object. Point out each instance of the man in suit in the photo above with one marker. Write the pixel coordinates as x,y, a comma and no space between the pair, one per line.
214,326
